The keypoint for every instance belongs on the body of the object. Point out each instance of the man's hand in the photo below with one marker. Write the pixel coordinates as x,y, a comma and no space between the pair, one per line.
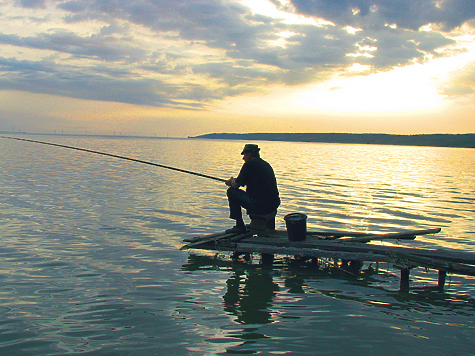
231,182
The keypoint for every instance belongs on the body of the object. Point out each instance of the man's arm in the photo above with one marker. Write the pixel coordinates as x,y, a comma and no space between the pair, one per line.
241,178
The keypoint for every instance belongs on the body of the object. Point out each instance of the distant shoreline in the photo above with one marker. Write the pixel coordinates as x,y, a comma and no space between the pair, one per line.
87,135
434,140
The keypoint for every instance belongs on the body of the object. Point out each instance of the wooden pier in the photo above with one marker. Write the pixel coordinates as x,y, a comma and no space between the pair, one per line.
344,247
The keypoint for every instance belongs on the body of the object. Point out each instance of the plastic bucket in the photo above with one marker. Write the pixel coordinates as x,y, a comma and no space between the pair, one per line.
296,226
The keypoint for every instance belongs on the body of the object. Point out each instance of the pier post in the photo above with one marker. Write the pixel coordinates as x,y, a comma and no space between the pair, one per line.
404,285
267,259
441,282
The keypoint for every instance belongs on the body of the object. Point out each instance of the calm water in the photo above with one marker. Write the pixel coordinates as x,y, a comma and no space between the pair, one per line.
90,261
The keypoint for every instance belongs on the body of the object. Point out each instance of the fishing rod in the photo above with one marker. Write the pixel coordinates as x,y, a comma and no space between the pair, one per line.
117,156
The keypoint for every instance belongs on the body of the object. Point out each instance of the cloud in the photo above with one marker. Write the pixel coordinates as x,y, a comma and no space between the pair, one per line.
461,82
96,46
32,4
186,53
407,14
46,77
73,6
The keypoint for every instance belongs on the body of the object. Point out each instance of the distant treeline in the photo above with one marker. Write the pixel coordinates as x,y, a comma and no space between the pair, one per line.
437,140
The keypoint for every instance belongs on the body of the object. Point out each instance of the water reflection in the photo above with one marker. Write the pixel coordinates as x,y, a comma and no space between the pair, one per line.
249,296
253,291
249,291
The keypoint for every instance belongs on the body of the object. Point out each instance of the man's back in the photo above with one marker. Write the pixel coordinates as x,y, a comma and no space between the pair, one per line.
259,178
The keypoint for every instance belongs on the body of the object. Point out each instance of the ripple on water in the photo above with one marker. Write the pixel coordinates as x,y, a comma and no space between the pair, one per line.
90,261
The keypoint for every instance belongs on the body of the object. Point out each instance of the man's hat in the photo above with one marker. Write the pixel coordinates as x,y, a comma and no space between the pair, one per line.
250,148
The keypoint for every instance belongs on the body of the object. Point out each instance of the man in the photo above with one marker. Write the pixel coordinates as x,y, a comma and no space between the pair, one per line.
261,195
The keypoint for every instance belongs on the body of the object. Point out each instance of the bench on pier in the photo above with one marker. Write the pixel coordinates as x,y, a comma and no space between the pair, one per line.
262,222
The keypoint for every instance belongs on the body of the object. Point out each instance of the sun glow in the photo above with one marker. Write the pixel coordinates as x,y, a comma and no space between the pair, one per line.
412,88
266,8
386,92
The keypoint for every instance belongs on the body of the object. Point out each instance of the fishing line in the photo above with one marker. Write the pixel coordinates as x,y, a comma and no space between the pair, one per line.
117,156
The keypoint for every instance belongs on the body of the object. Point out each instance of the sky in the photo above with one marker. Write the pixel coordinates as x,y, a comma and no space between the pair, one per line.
182,68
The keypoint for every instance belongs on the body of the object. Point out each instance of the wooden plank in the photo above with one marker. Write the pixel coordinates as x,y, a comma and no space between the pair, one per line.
337,234
324,234
282,250
215,238
357,236
207,237
398,235
257,248
204,237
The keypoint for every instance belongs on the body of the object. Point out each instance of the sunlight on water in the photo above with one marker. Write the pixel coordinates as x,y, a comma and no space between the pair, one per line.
90,260
379,188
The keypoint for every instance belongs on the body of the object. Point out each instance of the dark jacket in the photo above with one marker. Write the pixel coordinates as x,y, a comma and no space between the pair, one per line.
261,186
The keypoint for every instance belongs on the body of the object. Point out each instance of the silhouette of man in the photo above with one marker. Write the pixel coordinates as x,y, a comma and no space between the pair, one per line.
261,195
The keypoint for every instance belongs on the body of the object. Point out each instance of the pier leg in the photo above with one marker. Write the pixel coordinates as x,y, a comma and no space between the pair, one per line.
404,285
441,282
355,266
267,259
